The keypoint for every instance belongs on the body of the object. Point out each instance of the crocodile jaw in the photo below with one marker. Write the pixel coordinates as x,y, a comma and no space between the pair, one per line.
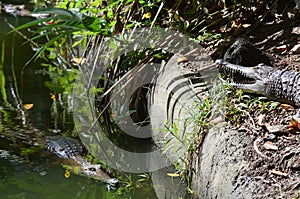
256,85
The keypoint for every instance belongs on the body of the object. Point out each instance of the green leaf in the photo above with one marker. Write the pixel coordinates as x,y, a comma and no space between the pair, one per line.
37,37
33,23
247,4
142,2
63,14
26,151
45,46
56,11
91,23
96,3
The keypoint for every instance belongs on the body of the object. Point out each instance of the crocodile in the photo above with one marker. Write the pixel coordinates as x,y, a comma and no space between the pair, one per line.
73,154
66,150
275,84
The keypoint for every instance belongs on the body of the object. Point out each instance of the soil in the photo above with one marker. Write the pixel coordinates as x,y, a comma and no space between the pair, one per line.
271,172
275,170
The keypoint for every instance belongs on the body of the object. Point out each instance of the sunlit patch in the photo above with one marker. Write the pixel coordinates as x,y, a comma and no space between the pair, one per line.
173,174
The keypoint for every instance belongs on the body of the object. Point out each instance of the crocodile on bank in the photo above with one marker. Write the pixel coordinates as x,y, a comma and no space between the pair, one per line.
72,153
275,84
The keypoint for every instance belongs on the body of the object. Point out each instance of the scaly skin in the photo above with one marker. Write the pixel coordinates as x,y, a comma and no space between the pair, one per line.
72,152
280,85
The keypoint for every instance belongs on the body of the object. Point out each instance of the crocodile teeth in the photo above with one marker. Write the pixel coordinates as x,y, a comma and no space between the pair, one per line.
235,76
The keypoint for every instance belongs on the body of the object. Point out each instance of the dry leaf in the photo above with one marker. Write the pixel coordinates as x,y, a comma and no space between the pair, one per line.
235,24
217,120
262,120
50,22
287,107
294,123
270,145
78,61
278,172
290,15
182,59
246,25
27,106
277,128
296,30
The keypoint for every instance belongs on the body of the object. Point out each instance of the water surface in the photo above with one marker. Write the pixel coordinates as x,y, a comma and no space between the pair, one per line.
34,175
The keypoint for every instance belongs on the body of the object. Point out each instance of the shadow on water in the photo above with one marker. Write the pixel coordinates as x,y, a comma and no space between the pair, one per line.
29,174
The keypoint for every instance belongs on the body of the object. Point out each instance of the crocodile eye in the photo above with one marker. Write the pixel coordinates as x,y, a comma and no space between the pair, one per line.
258,70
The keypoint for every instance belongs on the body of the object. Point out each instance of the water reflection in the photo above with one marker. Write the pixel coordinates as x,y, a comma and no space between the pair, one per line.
36,174
26,83
21,180
32,175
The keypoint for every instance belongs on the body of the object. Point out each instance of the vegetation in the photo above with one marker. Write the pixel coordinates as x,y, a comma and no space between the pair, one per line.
72,27
72,32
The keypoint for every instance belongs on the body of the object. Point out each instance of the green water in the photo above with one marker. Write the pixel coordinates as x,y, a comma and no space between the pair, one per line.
34,175
19,179
22,180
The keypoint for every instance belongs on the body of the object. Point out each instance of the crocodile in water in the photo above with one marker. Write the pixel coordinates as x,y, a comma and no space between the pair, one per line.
72,153
273,83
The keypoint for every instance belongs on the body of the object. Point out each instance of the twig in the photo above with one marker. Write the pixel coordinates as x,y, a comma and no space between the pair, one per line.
21,34
256,148
159,9
250,117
